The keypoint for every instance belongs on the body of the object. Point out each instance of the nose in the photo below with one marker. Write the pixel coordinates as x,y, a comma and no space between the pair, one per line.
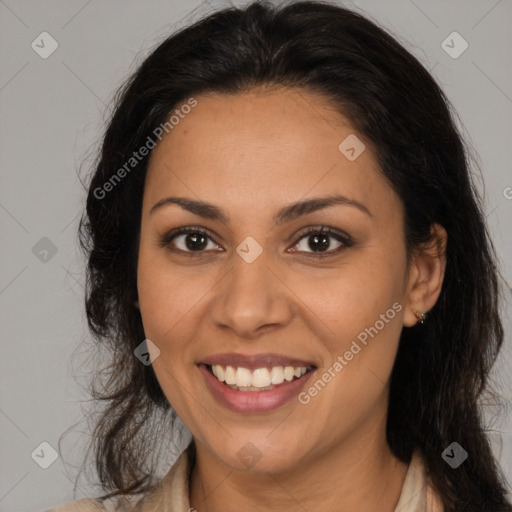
252,298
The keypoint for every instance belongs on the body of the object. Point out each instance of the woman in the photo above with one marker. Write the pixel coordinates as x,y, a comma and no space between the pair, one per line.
286,251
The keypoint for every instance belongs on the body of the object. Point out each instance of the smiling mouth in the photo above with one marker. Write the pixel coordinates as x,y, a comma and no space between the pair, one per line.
260,379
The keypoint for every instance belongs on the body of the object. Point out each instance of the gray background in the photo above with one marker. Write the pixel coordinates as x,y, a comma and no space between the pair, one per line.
53,109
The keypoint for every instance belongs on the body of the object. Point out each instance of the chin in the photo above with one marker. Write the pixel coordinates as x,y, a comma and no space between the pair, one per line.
261,457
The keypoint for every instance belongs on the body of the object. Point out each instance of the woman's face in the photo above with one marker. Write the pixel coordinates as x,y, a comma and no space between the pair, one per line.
254,293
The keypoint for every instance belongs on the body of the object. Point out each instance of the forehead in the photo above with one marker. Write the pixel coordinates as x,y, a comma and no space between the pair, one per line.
263,145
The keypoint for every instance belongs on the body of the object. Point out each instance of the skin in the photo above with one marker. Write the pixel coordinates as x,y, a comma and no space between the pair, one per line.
251,154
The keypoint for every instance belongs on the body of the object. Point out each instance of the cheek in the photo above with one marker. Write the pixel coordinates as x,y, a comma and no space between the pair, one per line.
165,300
166,295
353,298
353,383
360,309
173,308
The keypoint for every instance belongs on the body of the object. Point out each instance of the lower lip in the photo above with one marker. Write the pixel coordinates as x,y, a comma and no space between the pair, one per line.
253,401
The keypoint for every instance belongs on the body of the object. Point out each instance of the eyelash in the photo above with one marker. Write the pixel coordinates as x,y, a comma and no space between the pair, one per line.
344,239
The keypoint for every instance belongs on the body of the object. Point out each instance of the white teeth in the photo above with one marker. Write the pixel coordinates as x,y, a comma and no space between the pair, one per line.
258,379
243,377
277,375
230,376
289,373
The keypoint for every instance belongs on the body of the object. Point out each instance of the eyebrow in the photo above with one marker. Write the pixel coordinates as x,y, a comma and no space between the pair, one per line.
285,214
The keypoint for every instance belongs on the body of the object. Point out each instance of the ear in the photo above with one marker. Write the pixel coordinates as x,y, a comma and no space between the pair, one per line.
426,274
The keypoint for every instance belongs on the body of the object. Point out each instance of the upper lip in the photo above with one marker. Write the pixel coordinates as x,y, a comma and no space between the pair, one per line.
253,362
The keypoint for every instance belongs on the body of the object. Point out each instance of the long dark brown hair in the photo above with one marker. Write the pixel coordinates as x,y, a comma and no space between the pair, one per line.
442,367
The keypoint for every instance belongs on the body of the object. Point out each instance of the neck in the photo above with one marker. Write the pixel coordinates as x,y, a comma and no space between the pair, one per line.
357,475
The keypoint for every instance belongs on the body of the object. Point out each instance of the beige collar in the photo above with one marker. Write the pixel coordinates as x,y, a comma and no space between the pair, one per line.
417,494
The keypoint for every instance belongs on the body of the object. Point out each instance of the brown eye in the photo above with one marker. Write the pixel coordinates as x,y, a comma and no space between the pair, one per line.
187,240
319,242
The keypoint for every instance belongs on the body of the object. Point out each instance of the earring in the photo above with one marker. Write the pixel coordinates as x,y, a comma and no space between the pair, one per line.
421,317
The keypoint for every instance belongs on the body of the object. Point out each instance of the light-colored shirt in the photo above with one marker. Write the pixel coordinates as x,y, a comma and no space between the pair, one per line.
171,494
